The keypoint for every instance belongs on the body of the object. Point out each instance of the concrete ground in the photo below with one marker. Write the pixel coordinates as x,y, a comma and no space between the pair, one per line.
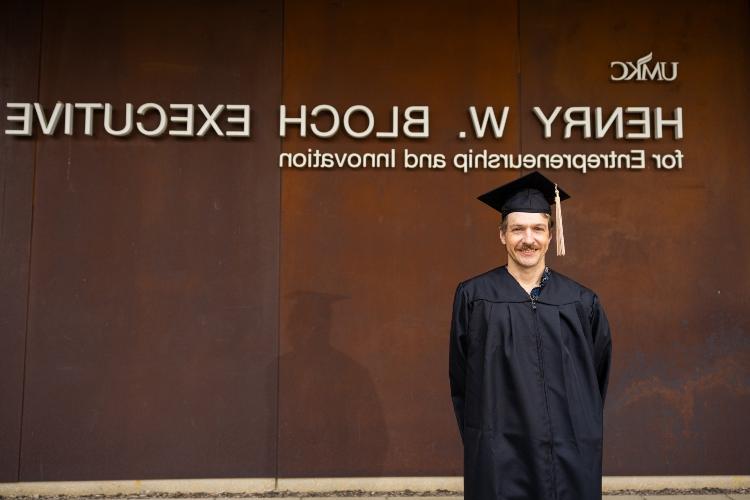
726,496
723,496
358,488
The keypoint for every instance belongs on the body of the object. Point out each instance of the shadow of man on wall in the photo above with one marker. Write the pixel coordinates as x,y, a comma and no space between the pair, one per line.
331,421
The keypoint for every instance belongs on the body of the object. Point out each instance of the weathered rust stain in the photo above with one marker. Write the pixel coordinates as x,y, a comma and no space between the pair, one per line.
685,394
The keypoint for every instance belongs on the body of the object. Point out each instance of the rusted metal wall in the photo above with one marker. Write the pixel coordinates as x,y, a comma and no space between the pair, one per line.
370,257
153,292
19,52
666,250
194,311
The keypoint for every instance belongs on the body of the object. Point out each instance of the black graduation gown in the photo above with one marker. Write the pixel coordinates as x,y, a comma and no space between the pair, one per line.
528,381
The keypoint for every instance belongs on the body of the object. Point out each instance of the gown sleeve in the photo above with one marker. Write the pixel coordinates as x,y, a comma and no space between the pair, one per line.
602,346
457,354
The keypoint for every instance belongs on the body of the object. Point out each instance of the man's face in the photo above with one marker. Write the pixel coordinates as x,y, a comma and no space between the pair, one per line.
526,238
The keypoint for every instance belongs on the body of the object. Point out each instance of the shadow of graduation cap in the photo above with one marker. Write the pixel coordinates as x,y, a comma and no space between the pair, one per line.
311,312
532,193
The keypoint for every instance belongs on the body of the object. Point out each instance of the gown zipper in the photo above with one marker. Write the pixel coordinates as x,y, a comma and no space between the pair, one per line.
540,357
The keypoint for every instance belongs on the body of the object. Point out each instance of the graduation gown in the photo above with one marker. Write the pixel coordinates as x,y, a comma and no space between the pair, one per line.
528,381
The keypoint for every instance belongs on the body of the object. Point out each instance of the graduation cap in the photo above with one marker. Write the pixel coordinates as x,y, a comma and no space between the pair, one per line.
532,193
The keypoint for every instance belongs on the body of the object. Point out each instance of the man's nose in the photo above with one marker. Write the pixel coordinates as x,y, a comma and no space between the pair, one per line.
528,236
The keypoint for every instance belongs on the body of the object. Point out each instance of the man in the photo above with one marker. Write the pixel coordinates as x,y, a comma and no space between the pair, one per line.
530,353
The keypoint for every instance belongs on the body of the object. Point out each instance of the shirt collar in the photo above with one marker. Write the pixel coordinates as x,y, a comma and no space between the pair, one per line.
538,289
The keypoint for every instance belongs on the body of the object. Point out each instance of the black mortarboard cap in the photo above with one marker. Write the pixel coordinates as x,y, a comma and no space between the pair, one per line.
531,193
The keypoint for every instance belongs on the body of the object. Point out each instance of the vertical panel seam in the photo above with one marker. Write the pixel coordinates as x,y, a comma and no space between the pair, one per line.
279,263
31,244
519,79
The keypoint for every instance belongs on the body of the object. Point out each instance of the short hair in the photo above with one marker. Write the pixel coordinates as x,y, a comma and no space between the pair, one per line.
550,222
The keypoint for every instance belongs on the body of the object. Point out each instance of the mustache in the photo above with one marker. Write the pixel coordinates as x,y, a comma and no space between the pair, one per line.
527,247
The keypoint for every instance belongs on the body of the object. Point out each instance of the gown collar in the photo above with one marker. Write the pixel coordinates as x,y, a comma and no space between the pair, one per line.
551,290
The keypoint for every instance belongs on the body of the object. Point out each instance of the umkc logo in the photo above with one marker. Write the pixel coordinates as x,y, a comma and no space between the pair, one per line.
640,70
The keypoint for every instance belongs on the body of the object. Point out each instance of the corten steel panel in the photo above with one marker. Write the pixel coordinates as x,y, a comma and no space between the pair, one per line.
154,275
370,258
666,250
19,57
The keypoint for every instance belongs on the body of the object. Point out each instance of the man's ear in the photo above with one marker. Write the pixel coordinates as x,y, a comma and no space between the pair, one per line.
502,236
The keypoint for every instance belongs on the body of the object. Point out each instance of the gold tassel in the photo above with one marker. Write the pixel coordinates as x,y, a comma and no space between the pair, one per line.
559,237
